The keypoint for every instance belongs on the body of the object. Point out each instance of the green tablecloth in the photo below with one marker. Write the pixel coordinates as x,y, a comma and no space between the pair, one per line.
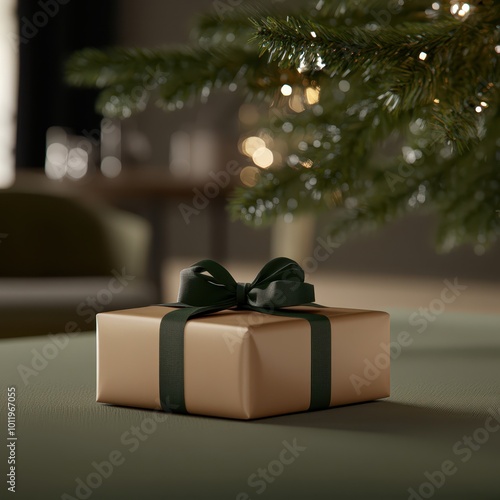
445,386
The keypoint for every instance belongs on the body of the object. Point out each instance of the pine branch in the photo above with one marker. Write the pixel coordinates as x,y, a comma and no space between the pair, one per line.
412,66
382,12
130,76
406,118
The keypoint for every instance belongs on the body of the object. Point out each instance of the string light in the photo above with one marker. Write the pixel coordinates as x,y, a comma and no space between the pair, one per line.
460,10
422,56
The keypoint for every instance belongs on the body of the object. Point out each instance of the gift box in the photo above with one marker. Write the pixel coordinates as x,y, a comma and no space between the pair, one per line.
241,361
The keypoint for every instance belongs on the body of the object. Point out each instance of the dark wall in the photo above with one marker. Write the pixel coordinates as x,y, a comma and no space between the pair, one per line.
406,247
48,33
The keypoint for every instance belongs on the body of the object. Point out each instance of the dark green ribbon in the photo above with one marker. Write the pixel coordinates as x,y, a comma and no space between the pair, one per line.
207,287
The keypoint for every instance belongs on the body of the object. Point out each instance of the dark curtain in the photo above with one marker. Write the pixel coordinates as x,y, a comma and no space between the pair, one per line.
49,31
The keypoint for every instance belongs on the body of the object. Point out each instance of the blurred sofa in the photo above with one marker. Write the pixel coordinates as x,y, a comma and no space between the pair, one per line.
62,261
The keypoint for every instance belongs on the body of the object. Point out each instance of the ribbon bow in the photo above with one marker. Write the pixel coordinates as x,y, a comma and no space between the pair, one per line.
207,287
280,283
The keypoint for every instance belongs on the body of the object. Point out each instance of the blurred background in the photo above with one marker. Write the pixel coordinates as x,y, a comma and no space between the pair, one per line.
98,214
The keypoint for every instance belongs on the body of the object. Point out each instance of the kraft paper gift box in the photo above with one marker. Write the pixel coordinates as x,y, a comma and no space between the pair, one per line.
242,364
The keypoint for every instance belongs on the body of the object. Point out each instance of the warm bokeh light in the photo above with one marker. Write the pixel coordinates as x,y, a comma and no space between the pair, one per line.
111,166
252,144
250,176
263,157
66,155
460,10
78,163
56,159
286,90
344,86
312,95
296,103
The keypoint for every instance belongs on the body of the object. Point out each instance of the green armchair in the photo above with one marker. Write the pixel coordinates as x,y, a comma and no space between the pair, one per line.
62,261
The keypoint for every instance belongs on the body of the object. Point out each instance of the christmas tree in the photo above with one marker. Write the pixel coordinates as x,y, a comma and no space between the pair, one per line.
369,108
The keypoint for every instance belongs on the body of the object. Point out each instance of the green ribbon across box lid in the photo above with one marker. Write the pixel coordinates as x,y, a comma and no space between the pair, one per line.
207,287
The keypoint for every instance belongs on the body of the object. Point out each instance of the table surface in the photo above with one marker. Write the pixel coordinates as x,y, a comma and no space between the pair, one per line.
445,385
